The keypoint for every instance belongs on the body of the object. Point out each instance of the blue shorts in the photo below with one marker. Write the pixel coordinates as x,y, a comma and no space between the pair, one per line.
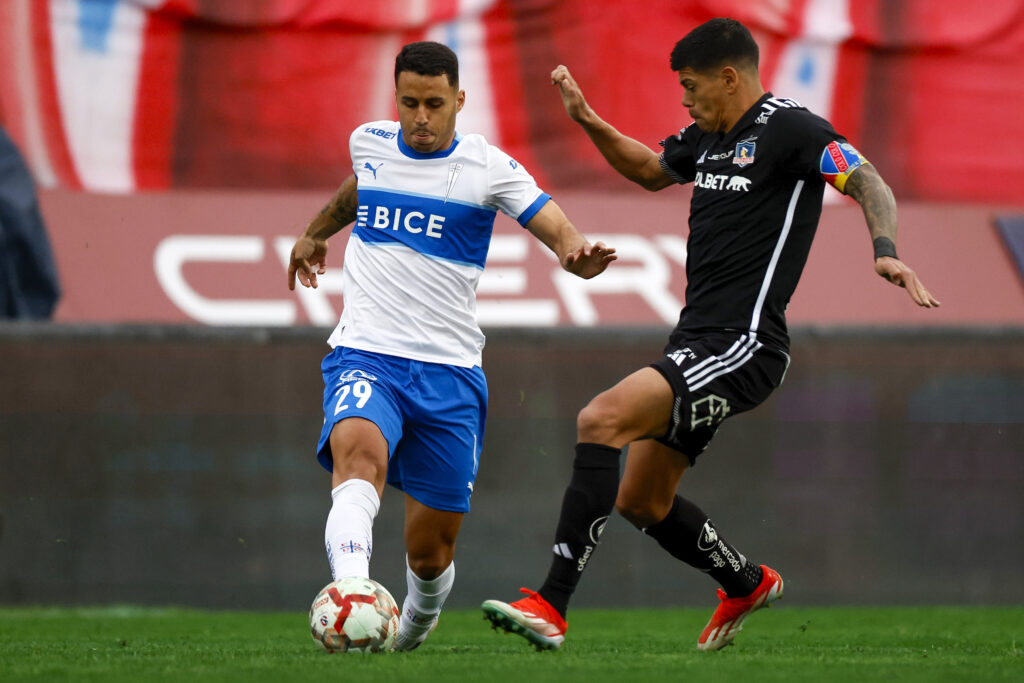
431,414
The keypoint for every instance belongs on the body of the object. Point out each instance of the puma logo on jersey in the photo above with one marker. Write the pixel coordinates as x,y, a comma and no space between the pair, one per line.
373,170
717,181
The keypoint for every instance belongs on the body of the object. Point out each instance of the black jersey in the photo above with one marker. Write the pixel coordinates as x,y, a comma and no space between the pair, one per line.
756,204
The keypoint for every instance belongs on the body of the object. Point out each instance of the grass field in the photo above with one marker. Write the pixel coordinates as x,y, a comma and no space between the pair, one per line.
781,644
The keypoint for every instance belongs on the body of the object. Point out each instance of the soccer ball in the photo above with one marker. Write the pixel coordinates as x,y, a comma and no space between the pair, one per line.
354,615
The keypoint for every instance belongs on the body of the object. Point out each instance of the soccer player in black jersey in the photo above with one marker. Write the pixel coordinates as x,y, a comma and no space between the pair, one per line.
759,165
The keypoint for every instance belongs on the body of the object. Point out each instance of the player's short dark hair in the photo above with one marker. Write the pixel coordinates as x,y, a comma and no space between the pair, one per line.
713,44
428,58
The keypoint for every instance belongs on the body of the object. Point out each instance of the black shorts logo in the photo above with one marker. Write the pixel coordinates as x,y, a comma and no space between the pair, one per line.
681,356
708,411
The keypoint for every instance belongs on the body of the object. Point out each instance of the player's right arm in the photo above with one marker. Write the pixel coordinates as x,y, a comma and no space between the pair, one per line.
631,158
866,186
311,248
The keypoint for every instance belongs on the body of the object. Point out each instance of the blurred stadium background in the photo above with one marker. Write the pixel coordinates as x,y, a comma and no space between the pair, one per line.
157,432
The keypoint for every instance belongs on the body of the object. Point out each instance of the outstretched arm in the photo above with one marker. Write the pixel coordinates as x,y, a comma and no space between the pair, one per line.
311,248
876,200
631,158
578,256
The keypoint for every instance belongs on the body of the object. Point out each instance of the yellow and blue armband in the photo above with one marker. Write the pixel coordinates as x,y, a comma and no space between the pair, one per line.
838,161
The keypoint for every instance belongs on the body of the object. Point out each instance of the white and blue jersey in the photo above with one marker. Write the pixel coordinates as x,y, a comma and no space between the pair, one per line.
407,350
420,242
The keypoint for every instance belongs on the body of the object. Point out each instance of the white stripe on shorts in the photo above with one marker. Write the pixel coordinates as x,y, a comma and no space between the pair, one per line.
713,367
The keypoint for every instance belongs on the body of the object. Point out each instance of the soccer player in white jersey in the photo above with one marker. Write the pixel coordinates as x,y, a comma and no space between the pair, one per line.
405,398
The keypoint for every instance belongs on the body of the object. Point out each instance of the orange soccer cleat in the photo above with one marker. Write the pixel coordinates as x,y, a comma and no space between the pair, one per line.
532,618
728,619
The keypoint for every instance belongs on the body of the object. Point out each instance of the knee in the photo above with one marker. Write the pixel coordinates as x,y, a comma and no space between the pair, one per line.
639,511
429,566
360,463
359,451
596,423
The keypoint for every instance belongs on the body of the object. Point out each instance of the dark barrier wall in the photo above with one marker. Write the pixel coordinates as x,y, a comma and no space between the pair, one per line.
176,466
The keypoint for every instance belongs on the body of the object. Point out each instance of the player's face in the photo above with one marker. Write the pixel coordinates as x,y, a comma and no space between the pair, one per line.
705,97
427,106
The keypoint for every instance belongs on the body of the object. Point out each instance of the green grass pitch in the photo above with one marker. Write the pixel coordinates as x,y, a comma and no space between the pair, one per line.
781,644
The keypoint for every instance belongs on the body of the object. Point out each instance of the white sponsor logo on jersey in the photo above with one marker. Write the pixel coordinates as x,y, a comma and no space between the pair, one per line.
738,183
415,222
718,181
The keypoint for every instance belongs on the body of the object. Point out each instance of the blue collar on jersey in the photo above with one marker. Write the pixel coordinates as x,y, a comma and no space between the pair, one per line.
439,154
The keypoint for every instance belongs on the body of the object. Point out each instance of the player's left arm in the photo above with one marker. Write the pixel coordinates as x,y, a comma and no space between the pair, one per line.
859,179
578,256
309,254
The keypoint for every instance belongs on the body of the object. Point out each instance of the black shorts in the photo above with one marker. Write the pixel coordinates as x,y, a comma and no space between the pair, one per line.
714,377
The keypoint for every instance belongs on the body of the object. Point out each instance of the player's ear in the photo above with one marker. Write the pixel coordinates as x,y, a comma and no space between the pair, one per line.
460,100
730,77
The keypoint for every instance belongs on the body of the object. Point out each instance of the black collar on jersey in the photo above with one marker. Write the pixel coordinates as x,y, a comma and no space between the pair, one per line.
745,120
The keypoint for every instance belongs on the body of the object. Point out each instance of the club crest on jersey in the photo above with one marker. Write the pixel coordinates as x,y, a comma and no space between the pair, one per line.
744,153
454,169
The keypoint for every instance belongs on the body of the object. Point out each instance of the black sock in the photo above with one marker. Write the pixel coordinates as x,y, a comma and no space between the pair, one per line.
588,501
688,535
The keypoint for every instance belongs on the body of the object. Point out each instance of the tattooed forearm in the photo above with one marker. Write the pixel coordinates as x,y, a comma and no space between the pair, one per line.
875,199
338,212
342,207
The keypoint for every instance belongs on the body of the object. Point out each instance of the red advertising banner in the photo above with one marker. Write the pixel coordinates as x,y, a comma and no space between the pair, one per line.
129,95
182,144
220,258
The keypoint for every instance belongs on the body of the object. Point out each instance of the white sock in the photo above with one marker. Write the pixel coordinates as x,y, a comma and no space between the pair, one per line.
423,603
349,532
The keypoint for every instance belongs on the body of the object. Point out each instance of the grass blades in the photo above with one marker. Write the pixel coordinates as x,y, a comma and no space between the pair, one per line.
781,644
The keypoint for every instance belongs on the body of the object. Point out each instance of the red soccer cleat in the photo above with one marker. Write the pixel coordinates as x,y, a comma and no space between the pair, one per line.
532,618
727,620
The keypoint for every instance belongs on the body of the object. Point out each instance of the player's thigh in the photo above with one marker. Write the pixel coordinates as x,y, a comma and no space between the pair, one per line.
649,482
638,407
359,451
363,419
430,536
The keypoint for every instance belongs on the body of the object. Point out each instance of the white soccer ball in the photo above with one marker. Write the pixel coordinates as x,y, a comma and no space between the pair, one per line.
354,615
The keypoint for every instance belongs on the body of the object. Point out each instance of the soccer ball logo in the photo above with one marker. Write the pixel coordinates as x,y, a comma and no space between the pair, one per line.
354,615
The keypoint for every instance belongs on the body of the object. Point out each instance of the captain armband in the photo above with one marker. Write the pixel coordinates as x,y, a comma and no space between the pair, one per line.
838,161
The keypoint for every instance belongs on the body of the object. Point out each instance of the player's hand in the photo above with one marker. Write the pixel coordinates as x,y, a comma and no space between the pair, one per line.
307,254
572,96
589,260
898,273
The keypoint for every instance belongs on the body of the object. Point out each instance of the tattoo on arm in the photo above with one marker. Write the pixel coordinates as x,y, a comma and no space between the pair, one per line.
342,207
338,212
875,199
